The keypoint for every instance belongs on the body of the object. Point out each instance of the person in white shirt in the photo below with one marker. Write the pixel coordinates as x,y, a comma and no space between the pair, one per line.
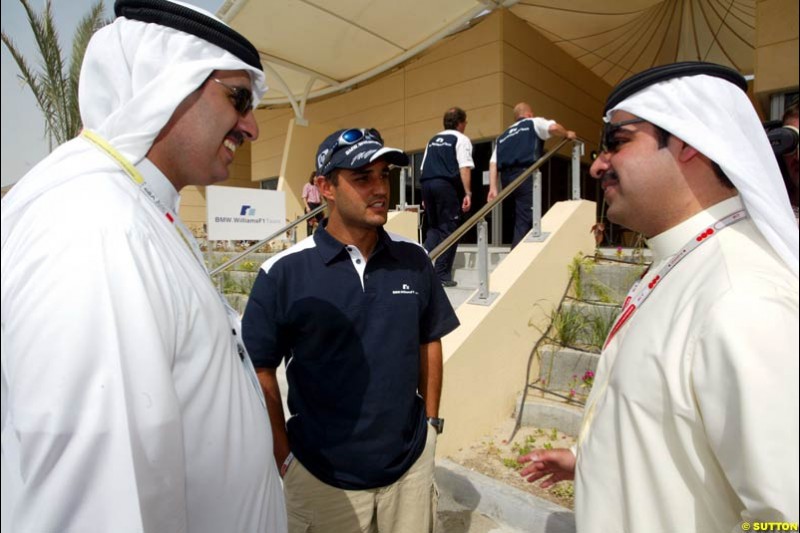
692,422
128,400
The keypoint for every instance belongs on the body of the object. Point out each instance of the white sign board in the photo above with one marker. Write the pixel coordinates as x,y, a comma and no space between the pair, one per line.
235,213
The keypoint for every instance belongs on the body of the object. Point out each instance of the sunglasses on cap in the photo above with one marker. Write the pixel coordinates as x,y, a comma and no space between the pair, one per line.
608,140
242,97
350,137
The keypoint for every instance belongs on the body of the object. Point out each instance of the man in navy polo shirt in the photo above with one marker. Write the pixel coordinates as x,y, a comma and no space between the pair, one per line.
358,314
516,149
446,167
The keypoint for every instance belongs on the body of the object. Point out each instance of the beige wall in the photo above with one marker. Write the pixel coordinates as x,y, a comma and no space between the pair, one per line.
556,85
776,67
404,223
486,70
486,357
299,154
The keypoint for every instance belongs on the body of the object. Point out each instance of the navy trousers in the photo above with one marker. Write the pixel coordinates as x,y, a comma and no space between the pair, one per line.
523,203
443,210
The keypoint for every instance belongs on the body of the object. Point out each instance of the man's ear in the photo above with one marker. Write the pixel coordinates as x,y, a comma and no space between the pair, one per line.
688,153
325,187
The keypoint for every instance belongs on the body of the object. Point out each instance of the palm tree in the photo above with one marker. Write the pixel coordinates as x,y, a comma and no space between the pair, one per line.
56,89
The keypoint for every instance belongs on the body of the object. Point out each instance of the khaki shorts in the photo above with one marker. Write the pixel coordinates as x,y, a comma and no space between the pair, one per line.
406,506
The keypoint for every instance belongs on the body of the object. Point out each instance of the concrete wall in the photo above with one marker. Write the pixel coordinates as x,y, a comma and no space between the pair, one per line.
556,85
404,223
485,372
776,66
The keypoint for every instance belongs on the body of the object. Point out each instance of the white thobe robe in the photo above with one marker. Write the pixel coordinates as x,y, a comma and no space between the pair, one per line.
125,403
692,424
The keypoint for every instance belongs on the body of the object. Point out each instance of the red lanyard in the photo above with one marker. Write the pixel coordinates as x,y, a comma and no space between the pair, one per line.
631,304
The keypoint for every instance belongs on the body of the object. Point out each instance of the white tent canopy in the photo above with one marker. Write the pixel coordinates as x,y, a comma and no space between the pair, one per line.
312,48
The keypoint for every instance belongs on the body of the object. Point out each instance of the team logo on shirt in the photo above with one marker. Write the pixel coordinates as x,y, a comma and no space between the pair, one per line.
406,289
440,141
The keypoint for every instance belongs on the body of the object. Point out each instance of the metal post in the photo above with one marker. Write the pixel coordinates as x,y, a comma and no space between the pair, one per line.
483,261
497,224
403,174
536,234
577,152
537,203
483,297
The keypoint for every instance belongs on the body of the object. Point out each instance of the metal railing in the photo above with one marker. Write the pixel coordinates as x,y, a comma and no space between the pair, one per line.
227,264
483,250
484,296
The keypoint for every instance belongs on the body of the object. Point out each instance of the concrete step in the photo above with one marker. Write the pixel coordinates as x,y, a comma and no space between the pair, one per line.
509,508
583,325
606,281
561,369
541,411
251,263
467,256
458,294
635,255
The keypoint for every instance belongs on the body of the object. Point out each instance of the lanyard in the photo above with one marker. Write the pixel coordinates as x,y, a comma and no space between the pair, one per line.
631,304
136,177
188,239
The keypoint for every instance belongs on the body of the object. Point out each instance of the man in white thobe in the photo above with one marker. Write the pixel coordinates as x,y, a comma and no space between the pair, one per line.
692,422
128,401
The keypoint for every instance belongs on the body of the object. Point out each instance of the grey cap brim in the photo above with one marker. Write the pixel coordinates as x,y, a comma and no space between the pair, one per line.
393,156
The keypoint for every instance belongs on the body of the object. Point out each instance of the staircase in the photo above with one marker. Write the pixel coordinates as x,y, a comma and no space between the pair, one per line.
569,354
235,283
465,271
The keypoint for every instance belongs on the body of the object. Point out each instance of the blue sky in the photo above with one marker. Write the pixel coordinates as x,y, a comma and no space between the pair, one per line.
23,141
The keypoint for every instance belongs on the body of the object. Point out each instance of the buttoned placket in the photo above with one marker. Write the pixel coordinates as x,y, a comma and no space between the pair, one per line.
359,263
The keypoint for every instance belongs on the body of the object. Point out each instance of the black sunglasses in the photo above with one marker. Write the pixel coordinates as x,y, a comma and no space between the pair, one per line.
608,140
349,138
242,97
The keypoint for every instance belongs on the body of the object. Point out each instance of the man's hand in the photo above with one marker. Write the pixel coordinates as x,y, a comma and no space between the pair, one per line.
557,465
492,195
571,135
467,203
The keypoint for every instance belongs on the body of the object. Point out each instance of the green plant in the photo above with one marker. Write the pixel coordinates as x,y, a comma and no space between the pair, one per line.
521,449
55,87
547,446
600,324
601,291
568,323
512,463
248,266
564,490
579,266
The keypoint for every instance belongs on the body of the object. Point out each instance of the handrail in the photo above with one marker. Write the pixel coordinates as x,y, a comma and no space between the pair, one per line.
262,242
474,219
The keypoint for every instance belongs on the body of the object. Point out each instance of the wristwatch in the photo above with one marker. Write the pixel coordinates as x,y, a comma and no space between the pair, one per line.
437,424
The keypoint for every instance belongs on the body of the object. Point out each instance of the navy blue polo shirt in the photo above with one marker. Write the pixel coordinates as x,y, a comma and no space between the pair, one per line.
350,331
447,152
521,144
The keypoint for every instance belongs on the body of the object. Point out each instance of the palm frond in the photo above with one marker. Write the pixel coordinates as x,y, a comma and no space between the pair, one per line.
33,80
55,88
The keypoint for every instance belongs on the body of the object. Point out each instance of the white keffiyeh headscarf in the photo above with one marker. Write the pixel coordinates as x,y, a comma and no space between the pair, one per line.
134,75
716,117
